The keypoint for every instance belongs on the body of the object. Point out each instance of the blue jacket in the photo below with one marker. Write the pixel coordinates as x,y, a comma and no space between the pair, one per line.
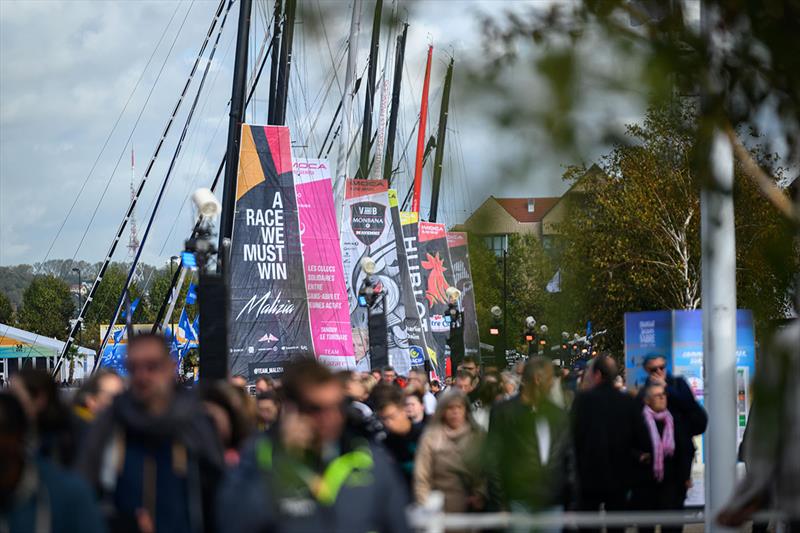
51,499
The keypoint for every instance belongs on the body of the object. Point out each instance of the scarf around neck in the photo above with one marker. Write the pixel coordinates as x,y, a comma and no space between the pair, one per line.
664,444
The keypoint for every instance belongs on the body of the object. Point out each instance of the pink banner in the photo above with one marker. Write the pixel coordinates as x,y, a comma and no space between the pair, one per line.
328,307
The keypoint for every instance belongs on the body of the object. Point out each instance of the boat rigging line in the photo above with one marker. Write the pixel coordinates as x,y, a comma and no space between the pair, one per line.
164,183
107,261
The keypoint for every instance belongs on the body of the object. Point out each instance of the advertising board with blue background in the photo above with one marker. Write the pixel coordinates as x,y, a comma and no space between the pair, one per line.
678,336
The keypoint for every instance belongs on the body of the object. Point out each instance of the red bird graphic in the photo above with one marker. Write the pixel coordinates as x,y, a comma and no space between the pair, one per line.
437,285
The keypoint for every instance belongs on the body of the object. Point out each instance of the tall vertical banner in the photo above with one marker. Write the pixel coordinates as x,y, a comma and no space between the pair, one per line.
462,275
437,276
409,220
328,308
368,231
269,315
417,347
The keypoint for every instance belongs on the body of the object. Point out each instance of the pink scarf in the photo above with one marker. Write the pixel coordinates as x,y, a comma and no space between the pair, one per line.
663,445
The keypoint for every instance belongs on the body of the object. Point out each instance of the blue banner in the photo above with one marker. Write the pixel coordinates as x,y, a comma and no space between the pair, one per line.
646,333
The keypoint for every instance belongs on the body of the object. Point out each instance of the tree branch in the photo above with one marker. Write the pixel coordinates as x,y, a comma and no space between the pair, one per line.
765,184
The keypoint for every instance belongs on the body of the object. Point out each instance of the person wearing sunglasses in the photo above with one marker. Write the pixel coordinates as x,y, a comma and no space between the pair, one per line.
689,418
311,471
154,457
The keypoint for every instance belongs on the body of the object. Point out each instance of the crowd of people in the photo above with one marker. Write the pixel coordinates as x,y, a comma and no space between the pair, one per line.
318,450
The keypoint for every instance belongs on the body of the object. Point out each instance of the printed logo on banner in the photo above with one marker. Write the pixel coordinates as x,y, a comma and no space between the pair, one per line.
436,292
417,355
440,323
273,369
368,220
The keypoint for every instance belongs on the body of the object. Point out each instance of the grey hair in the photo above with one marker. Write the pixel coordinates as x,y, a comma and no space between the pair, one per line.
449,397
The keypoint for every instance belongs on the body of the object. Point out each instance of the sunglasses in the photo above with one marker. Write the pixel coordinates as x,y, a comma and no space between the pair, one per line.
652,369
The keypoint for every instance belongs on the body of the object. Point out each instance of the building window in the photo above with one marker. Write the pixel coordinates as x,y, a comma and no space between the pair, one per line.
531,205
496,244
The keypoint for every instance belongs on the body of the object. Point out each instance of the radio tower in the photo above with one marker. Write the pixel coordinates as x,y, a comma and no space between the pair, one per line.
133,239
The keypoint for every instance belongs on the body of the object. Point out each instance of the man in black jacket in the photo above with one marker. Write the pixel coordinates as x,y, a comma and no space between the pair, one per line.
689,417
311,474
529,455
609,436
153,456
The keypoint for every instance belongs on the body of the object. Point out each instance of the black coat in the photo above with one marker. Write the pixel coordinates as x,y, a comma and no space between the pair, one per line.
514,468
689,417
610,436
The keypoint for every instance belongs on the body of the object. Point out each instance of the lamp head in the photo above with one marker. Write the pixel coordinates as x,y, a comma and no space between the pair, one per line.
206,203
368,265
530,322
496,311
564,335
543,328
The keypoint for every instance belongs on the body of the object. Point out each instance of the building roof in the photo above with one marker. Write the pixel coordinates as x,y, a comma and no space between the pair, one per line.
41,345
518,207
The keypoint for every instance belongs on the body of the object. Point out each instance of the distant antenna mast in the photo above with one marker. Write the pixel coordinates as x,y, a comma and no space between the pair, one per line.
133,239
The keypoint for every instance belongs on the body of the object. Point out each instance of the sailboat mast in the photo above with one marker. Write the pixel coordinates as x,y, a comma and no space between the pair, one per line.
275,61
347,110
236,117
369,98
285,63
400,51
437,162
382,109
423,119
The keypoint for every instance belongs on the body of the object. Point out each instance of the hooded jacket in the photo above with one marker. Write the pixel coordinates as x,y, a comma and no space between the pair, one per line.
168,464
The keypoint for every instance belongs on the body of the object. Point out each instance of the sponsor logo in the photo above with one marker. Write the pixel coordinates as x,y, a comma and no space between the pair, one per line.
309,165
269,337
439,324
367,220
417,355
263,306
437,285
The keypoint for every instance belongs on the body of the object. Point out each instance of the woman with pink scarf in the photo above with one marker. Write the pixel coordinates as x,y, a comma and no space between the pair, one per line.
660,486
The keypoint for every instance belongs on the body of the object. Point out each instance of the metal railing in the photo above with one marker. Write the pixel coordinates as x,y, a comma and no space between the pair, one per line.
431,518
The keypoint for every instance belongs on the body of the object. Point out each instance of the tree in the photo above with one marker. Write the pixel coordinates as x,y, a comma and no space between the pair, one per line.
528,272
47,306
14,280
6,310
486,279
104,304
740,58
632,241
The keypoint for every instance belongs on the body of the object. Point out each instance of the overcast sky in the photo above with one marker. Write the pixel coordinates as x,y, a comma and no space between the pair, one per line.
68,69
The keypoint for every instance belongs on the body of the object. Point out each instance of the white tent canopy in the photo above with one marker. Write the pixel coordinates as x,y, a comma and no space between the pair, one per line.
23,349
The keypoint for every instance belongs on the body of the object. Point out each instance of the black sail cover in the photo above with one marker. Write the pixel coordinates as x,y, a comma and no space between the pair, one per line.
417,345
269,316
462,273
431,274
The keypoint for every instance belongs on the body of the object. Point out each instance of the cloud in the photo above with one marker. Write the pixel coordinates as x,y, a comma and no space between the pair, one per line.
68,67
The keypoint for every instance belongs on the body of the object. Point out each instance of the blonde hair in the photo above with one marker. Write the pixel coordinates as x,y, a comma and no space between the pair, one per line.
369,382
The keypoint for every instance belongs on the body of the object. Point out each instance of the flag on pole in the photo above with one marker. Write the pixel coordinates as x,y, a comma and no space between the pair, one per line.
191,294
554,285
189,332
